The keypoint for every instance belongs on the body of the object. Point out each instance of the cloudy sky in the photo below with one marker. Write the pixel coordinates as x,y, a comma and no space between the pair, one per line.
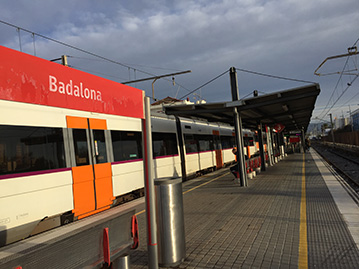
285,38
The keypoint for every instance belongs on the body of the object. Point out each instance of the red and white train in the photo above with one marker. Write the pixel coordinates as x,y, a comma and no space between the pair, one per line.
71,144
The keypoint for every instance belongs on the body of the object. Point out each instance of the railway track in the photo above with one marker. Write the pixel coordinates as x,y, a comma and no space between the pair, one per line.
344,156
342,161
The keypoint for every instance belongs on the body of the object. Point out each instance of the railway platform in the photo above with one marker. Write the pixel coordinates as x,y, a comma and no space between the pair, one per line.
296,214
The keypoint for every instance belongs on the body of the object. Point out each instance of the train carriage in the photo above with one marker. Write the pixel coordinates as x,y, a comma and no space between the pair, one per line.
57,130
198,141
166,152
71,145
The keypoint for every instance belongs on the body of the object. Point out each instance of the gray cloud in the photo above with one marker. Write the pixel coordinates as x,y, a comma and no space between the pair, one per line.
285,38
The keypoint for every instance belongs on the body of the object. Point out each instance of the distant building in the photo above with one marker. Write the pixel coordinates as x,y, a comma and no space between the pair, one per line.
315,129
340,123
170,101
166,100
355,118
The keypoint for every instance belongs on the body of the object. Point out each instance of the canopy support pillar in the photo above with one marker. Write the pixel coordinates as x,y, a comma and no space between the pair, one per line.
238,129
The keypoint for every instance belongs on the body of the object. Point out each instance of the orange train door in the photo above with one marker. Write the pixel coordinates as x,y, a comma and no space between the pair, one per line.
91,169
218,150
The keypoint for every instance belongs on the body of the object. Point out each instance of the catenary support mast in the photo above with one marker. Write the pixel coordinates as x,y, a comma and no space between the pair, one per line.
150,188
238,128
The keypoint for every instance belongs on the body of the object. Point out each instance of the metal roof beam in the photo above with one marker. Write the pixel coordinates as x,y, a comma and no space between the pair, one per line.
247,105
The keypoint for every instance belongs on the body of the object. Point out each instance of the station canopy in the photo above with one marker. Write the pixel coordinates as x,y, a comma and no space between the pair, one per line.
291,109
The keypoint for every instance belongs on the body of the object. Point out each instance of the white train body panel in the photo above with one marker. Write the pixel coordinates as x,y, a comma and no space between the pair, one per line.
127,177
14,113
39,196
228,156
253,150
196,159
123,123
207,160
192,163
169,166
227,132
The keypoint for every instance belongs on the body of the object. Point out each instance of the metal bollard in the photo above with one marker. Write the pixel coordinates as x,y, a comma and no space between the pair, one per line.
122,262
170,221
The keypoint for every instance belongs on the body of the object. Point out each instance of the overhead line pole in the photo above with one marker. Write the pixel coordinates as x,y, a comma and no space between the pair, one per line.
238,128
351,51
156,78
331,122
152,246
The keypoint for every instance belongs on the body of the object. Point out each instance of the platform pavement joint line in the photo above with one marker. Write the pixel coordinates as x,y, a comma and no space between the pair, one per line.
303,242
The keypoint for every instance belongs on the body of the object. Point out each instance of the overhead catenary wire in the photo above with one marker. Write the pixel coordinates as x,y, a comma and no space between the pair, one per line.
122,79
64,44
73,47
132,65
335,106
205,84
252,72
326,111
335,88
87,52
351,99
95,72
273,76
249,94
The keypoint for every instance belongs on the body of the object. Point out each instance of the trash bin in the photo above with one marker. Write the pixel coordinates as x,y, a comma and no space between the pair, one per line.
170,221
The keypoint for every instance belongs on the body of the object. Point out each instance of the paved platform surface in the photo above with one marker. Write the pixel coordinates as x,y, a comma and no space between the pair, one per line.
259,226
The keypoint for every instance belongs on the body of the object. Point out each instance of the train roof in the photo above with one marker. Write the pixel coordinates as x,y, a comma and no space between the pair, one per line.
290,108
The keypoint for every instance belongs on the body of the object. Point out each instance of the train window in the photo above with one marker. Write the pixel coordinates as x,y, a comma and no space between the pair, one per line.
205,142
26,149
164,144
227,142
245,141
190,143
216,142
81,147
100,146
126,145
248,141
256,137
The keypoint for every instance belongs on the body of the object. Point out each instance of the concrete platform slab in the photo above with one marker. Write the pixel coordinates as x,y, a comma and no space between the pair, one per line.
228,226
